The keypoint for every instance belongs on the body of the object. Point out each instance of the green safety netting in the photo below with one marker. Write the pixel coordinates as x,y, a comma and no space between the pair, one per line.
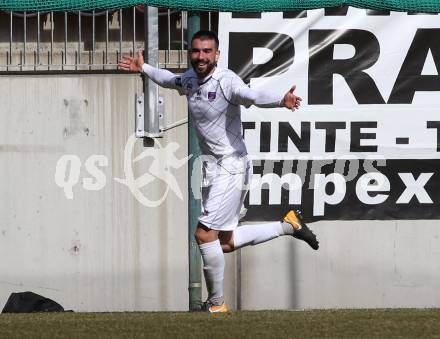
221,5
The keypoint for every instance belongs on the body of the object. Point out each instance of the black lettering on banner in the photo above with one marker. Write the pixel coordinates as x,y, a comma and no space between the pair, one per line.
265,135
286,132
241,45
402,141
246,15
375,12
336,11
329,11
356,136
247,125
322,66
436,125
341,11
330,128
403,189
410,78
294,14
419,13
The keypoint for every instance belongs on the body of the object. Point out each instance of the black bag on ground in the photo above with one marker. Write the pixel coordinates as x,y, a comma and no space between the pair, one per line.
29,302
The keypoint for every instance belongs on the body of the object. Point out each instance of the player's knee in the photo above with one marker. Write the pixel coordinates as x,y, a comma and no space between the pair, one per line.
202,234
227,248
226,240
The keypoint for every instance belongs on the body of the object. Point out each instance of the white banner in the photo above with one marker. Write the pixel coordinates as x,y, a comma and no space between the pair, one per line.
387,59
370,86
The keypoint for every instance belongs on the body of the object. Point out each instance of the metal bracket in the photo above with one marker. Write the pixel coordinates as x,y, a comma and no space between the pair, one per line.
140,127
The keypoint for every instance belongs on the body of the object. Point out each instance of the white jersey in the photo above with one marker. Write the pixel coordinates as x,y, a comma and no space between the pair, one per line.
214,104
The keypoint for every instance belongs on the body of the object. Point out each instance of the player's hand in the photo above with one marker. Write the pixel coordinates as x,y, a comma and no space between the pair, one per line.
291,101
132,64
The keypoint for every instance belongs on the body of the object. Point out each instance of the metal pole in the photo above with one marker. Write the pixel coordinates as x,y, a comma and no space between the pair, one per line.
195,262
120,34
93,37
106,39
38,38
146,80
24,39
151,91
65,40
167,56
134,32
52,24
182,47
238,298
10,41
79,39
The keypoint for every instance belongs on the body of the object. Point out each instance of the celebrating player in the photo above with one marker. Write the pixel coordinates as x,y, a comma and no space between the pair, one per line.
214,98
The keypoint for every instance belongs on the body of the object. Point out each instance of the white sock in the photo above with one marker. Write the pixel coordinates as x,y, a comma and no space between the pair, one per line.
256,234
213,270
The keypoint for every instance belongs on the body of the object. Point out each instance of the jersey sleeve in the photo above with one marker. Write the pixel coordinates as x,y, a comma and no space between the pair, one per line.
239,93
164,78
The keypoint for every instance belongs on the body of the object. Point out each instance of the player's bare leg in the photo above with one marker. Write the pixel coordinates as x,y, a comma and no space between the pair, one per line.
227,241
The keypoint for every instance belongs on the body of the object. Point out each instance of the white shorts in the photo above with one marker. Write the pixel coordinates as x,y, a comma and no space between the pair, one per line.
224,188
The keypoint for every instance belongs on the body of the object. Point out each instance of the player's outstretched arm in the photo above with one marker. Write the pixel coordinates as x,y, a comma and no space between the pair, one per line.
269,100
161,77
290,100
243,95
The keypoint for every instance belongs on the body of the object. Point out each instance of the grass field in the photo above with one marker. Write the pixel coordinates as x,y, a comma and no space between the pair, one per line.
407,323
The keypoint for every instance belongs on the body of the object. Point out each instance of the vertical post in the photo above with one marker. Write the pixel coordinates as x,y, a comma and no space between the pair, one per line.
65,41
93,37
167,56
10,40
106,39
134,32
38,38
238,298
182,47
152,124
120,33
79,39
24,41
195,264
52,24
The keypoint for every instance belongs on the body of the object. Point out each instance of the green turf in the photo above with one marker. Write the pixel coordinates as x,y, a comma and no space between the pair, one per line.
407,323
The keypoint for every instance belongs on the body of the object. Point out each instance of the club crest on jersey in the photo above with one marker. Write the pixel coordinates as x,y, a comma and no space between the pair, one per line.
189,85
211,96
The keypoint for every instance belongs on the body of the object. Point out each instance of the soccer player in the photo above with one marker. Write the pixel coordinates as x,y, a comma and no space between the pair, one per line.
214,98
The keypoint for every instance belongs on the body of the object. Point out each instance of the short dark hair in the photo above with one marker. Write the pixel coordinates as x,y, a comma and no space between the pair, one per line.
209,35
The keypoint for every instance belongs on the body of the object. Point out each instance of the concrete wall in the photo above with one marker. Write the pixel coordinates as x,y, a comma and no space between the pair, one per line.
359,265
104,251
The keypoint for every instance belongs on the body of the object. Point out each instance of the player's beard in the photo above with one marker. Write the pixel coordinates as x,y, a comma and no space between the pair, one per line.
209,68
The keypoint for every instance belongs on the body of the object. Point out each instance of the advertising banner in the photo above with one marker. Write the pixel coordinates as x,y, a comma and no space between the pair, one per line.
365,143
